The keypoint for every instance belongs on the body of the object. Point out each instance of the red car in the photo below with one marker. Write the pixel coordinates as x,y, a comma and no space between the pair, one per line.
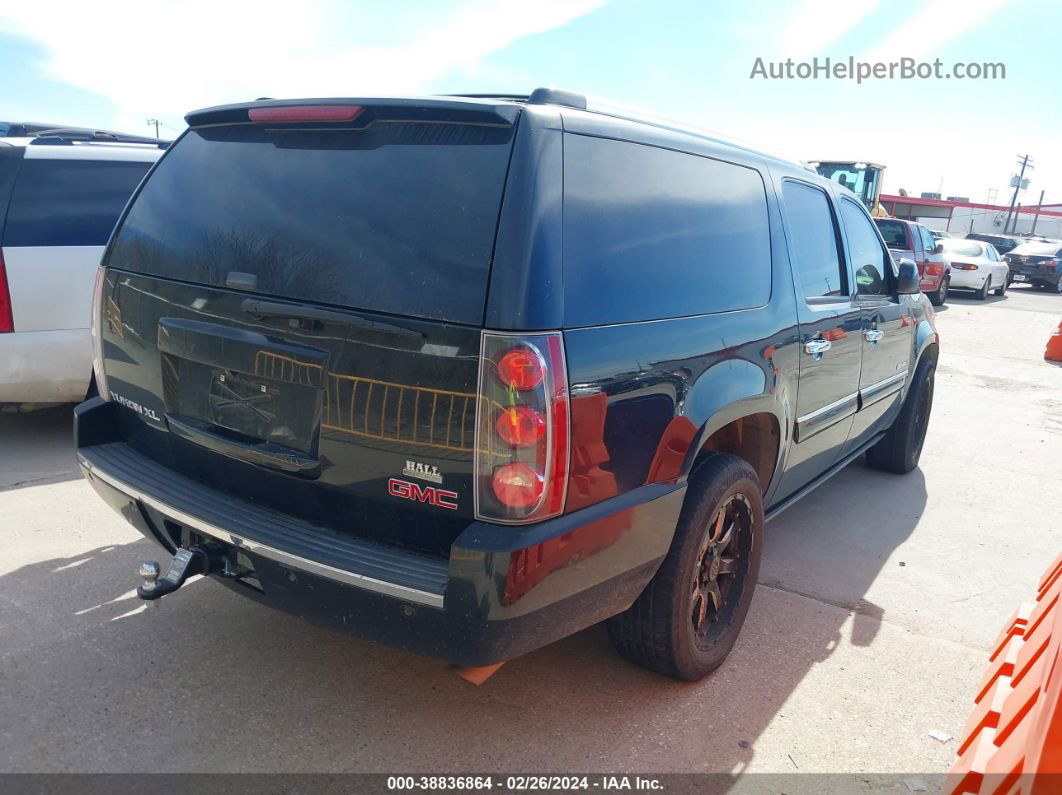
913,240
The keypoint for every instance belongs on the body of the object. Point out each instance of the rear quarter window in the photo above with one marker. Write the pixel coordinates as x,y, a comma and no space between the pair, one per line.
652,233
69,202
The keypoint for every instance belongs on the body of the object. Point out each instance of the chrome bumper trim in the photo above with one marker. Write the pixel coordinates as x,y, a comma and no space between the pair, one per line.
279,555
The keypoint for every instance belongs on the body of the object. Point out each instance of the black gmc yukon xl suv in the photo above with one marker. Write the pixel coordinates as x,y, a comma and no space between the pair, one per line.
466,375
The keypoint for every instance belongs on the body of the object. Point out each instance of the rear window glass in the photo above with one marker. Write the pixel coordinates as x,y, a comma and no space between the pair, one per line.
1037,249
650,233
964,248
894,233
69,202
398,218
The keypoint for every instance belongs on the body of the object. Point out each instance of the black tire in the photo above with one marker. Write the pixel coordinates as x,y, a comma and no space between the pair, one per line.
940,295
1002,289
1056,287
679,626
982,294
901,446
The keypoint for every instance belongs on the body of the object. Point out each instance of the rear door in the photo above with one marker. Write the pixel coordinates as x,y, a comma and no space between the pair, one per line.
304,332
887,337
829,319
64,205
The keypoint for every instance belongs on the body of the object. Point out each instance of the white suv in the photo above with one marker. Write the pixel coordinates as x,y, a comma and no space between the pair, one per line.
61,193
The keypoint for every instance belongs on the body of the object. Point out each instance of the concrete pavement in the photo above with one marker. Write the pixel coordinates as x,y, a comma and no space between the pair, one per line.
879,598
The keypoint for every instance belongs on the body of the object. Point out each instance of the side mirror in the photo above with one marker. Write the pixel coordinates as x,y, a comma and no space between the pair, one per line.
938,248
907,277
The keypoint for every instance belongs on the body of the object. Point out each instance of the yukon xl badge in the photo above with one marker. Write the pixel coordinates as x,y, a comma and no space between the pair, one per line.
415,469
143,411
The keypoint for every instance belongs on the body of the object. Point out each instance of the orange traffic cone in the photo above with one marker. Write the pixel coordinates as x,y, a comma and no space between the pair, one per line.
1054,346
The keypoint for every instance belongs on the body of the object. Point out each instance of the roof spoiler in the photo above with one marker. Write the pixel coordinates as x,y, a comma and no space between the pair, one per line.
467,110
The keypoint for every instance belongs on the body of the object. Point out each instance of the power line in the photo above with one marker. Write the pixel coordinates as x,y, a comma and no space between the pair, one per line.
1025,163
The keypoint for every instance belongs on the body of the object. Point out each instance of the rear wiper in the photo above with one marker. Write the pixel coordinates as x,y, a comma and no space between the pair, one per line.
263,309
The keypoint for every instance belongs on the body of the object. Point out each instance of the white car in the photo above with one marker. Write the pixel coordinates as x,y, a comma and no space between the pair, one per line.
63,191
976,265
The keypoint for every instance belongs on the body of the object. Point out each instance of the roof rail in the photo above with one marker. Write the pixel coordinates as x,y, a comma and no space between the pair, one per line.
540,96
490,95
67,136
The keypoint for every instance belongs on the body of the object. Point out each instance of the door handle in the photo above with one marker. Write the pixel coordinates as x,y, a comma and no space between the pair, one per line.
873,335
815,348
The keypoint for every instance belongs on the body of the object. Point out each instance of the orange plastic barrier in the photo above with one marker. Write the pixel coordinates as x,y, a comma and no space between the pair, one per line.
1054,346
1012,743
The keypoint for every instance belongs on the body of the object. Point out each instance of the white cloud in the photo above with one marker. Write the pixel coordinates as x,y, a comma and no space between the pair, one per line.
167,57
927,32
819,23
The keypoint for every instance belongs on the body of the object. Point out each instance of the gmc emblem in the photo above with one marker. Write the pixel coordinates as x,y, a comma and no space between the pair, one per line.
429,494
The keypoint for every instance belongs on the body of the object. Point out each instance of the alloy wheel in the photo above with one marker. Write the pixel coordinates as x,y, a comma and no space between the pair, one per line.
721,566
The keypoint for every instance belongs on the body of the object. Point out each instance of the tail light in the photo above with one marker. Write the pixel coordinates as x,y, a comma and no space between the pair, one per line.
97,335
7,320
522,433
962,266
934,269
1050,263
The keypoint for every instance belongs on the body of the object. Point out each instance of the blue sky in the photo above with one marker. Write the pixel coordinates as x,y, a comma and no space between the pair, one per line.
116,65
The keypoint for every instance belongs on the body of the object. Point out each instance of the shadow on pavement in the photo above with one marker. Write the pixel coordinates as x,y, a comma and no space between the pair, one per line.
92,679
37,447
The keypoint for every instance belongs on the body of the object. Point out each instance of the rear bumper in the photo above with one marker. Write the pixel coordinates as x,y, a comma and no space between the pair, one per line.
1035,275
968,280
45,366
504,591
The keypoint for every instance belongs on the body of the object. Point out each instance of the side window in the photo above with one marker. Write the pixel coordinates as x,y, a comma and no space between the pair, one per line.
69,202
927,240
813,245
990,252
868,256
652,233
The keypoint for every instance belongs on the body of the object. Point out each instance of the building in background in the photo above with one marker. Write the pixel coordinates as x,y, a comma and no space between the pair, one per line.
962,217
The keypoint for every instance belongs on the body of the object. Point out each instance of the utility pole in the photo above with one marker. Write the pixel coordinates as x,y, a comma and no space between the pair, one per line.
1036,217
1024,160
156,123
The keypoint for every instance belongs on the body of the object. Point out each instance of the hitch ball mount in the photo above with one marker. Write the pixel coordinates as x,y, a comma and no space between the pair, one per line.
199,559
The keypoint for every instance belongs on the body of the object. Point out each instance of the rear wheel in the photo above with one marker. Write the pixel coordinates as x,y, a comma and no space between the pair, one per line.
687,619
1002,289
940,295
982,294
1057,286
901,446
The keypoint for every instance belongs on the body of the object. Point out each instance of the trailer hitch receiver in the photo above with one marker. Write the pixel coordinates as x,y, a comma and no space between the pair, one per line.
186,563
